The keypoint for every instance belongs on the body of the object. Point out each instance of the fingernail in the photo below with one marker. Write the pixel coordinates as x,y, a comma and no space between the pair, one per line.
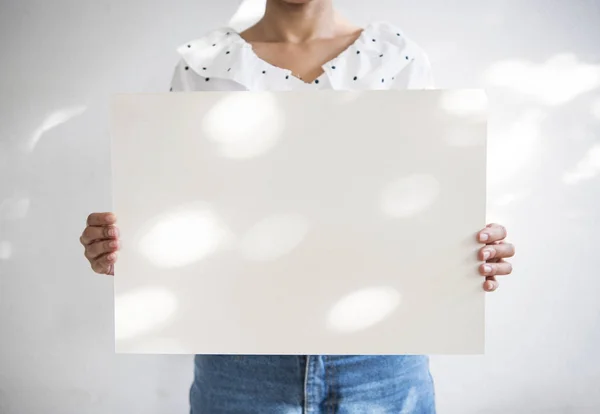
109,218
487,268
111,257
484,237
112,232
486,254
114,243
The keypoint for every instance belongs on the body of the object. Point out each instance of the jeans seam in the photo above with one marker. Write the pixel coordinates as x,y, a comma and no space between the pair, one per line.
326,384
333,389
328,401
307,366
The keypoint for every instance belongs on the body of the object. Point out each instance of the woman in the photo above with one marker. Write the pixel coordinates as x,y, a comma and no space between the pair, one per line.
304,45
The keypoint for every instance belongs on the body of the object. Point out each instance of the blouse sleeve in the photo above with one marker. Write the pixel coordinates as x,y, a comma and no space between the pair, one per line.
181,79
422,76
417,75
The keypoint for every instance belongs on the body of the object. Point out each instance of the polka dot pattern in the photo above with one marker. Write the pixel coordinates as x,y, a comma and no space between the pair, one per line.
225,56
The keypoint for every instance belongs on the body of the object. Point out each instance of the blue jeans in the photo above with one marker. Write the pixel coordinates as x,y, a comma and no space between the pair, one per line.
315,384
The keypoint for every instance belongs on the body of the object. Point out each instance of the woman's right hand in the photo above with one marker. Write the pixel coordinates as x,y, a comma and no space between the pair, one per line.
101,242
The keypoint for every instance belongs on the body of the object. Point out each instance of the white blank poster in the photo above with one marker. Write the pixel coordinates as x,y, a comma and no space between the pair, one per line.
299,222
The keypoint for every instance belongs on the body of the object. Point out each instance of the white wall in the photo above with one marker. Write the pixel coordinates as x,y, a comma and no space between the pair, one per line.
61,60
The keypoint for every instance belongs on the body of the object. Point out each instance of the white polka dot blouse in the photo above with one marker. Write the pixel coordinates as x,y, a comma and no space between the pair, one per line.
381,58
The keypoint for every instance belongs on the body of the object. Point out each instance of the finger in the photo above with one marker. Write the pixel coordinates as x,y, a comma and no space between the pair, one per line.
492,233
496,251
493,269
490,284
101,219
99,248
105,264
92,234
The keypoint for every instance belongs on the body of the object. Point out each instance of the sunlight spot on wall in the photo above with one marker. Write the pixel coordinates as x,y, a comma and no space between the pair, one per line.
52,121
362,309
557,81
513,146
249,13
587,168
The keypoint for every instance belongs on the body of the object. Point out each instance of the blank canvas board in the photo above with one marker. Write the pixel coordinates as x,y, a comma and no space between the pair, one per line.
299,222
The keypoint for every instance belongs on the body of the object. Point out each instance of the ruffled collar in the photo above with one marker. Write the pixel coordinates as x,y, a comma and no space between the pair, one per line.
380,51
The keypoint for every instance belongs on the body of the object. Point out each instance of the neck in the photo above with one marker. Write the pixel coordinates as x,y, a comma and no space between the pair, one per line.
298,22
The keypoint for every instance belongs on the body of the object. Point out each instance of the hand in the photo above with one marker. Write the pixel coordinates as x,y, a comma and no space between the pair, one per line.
493,254
101,241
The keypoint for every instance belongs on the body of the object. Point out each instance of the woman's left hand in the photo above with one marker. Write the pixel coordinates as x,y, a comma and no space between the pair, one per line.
493,254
